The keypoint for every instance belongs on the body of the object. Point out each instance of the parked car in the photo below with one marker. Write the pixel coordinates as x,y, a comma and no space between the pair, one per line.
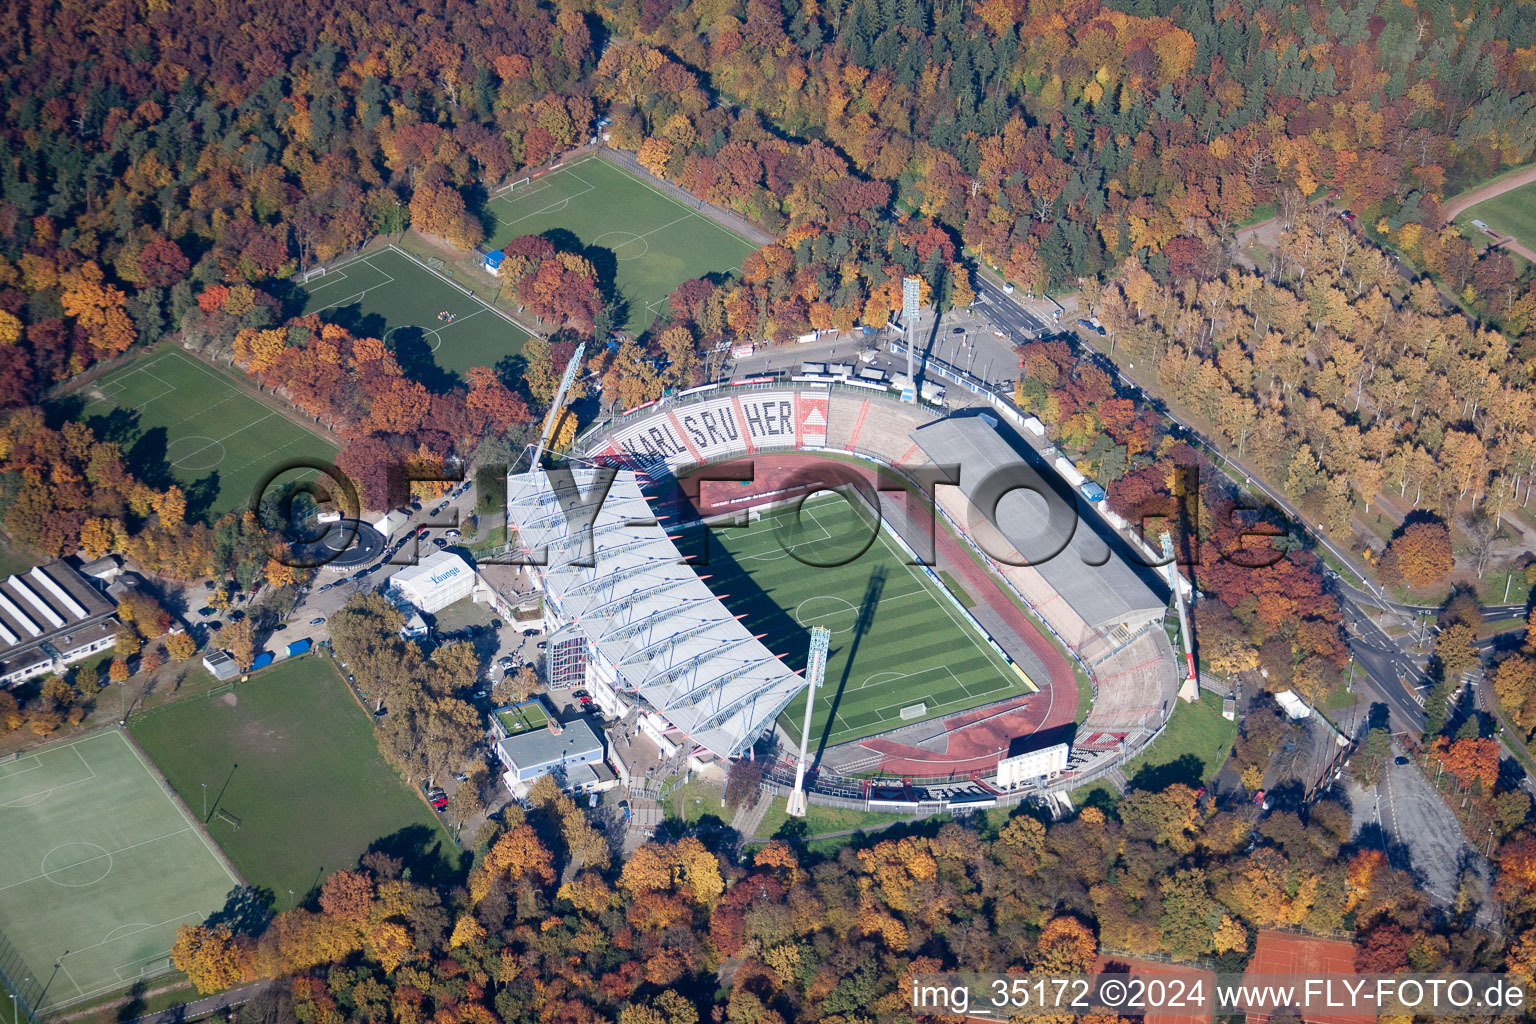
324,587
435,792
1400,760
530,632
1347,215
481,694
440,803
318,620
279,627
440,542
438,508
505,662
205,612
541,645
580,693
452,533
416,506
584,701
460,777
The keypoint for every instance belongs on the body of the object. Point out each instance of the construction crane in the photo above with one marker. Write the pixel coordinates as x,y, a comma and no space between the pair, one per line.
815,674
555,409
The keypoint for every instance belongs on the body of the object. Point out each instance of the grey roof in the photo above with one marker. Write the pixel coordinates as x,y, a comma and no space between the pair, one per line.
1093,570
543,747
647,614
46,602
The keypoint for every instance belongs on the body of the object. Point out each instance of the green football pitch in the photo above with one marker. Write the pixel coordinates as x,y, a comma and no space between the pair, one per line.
98,868
388,295
901,651
296,786
1513,213
180,420
654,242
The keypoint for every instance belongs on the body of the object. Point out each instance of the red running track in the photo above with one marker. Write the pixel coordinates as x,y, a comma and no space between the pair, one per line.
977,738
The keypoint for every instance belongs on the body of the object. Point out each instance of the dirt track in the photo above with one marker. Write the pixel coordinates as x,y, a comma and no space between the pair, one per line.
1451,210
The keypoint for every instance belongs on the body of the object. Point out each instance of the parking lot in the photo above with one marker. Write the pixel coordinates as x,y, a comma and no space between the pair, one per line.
1405,817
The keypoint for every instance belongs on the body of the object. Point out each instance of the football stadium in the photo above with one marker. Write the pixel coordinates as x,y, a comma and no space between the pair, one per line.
1003,634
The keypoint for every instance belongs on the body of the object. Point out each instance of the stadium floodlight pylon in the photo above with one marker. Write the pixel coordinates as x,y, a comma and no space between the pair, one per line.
815,673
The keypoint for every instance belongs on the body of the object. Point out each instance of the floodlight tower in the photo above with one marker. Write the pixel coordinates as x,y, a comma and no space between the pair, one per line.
1190,689
571,369
911,293
815,673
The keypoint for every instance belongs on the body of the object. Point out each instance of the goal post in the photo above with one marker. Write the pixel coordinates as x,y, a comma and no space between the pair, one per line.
509,187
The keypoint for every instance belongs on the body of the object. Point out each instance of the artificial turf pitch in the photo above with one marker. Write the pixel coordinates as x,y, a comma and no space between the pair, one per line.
98,867
897,639
179,420
654,242
290,756
388,295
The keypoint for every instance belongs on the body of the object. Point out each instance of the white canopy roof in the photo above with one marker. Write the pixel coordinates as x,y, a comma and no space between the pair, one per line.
644,611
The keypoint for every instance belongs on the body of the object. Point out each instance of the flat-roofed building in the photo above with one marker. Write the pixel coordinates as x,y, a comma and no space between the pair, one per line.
50,617
441,579
529,755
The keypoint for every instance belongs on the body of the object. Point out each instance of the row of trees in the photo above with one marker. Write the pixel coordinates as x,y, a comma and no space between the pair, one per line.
1332,390
390,421
1266,604
430,730
547,927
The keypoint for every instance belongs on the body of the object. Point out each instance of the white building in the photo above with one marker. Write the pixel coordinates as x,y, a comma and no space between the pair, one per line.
1034,764
555,748
50,617
437,582
628,616
392,522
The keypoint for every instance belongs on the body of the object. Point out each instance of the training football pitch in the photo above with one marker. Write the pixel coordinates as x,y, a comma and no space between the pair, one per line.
389,296
1513,213
655,242
179,420
296,786
98,868
901,651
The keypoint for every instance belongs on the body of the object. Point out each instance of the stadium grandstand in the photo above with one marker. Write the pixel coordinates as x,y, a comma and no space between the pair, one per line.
1096,596
650,637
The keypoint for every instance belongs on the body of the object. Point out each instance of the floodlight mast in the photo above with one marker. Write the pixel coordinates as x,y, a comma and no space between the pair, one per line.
571,369
815,674
911,292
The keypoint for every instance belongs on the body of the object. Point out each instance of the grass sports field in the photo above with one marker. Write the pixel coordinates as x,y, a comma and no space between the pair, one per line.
179,420
653,242
388,295
96,859
291,758
1513,213
898,643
